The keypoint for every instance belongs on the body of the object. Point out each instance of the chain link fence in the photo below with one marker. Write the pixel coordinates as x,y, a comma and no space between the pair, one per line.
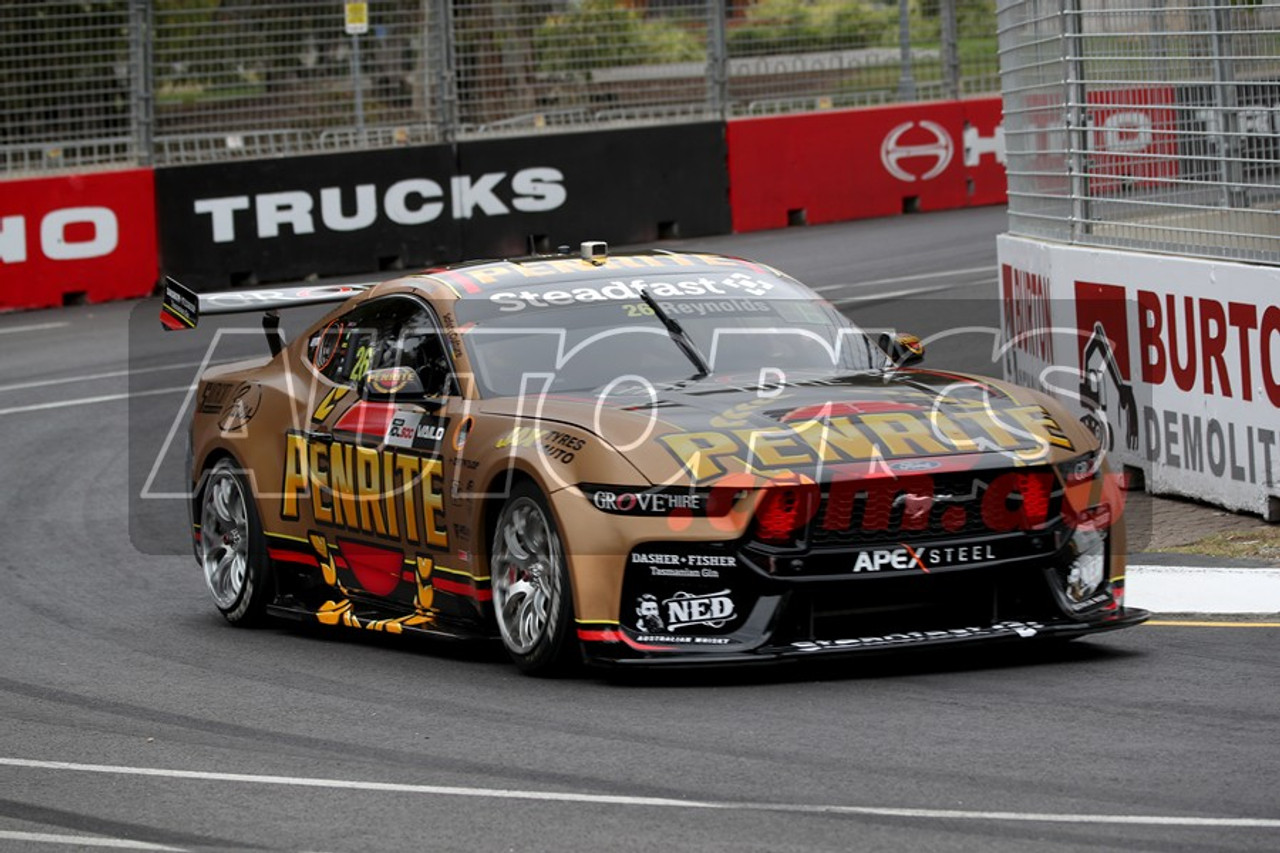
110,82
1144,124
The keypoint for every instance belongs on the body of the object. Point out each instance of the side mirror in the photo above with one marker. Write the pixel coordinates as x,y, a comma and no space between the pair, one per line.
388,383
902,349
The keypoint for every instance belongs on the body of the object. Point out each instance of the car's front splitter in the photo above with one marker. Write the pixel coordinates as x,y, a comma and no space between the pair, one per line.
625,655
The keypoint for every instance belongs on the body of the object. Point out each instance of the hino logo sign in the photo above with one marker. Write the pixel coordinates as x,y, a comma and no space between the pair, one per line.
939,148
68,234
413,201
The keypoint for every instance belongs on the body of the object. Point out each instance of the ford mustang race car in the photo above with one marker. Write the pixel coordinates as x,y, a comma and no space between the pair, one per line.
643,459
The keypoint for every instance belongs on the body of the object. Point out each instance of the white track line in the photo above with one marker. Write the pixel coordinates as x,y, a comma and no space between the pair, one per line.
899,279
892,294
87,401
83,841
1193,589
650,802
114,374
35,327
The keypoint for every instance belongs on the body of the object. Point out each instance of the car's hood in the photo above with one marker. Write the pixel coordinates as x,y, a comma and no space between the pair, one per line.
701,431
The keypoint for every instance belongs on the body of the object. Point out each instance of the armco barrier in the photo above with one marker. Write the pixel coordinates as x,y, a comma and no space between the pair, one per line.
268,220
77,238
853,164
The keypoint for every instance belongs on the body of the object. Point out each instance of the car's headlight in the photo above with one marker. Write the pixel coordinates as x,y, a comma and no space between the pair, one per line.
1085,568
1081,468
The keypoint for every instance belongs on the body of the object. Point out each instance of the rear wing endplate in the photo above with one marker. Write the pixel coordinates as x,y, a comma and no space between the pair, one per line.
183,307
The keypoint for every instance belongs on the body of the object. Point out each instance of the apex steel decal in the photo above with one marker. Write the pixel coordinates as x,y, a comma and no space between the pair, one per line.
414,201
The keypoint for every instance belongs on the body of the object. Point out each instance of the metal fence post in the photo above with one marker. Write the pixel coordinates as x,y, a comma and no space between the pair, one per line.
1077,118
950,50
141,91
1226,103
717,59
906,76
441,47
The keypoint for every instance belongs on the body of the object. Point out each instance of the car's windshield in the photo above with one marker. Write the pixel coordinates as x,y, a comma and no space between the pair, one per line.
590,335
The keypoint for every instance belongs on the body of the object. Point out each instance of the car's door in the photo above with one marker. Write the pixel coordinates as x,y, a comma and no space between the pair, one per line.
374,445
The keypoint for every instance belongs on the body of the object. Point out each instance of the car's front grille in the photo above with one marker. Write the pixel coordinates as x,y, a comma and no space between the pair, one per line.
921,507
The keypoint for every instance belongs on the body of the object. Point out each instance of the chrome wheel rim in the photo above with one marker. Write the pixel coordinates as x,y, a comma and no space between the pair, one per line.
224,537
526,578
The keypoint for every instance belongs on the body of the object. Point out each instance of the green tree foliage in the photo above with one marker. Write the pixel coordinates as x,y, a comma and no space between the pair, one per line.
605,33
64,70
794,26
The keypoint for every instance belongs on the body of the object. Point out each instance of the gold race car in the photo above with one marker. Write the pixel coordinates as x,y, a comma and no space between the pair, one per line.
647,459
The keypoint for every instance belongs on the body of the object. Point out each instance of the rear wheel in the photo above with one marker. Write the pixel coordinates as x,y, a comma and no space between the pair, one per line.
232,551
532,600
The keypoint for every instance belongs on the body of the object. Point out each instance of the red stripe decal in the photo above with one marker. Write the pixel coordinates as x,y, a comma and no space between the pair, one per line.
291,557
446,585
457,278
364,418
612,635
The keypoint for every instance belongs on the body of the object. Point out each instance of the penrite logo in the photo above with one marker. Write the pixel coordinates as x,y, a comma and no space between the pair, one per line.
939,148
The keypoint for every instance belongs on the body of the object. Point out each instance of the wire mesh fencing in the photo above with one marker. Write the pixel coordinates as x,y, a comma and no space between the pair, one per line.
100,82
1144,124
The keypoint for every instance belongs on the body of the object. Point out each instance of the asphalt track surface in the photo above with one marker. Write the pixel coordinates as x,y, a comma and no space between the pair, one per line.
134,718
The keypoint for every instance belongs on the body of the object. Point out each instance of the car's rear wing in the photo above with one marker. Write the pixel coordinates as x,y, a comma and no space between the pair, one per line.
183,307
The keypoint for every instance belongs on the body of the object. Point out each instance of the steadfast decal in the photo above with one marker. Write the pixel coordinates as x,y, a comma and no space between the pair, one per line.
737,284
377,492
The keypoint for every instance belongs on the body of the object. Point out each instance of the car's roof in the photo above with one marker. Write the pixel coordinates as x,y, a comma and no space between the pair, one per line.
542,273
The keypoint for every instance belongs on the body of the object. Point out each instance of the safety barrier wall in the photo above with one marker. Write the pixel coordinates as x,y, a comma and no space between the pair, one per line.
853,164
1174,361
224,224
77,238
268,220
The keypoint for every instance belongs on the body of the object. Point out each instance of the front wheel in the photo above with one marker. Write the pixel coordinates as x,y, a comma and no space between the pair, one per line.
532,600
232,550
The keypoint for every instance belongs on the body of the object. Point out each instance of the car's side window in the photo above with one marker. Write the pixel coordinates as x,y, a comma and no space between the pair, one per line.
390,332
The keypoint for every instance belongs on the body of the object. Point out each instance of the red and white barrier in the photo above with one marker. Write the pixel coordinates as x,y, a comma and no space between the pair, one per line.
77,237
853,164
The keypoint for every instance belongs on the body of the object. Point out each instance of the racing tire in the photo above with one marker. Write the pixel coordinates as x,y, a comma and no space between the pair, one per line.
232,550
532,598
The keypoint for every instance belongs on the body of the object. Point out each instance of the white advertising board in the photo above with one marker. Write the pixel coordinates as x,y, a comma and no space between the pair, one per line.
1175,361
